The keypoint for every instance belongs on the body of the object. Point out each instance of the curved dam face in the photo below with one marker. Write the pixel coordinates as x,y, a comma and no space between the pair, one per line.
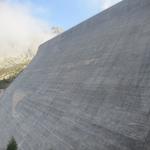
87,89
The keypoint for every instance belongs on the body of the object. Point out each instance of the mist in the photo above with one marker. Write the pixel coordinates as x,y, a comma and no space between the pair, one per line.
20,31
108,3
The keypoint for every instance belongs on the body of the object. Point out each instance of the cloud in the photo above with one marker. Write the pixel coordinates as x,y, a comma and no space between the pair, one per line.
20,30
107,3
101,4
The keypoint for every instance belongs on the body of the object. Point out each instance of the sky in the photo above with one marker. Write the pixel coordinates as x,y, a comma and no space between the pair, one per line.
25,24
64,13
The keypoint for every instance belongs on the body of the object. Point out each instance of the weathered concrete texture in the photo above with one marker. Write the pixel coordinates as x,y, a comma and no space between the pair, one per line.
87,89
1,92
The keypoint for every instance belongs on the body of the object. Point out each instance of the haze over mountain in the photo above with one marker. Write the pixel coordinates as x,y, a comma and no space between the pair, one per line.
21,32
12,64
11,51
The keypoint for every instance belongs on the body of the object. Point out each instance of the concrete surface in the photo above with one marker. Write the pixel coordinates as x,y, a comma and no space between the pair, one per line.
87,89
1,92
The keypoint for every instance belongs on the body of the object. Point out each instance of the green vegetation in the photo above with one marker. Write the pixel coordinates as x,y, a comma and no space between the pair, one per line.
12,145
5,83
7,75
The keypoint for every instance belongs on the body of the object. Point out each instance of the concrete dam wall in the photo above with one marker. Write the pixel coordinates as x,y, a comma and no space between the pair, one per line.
87,89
